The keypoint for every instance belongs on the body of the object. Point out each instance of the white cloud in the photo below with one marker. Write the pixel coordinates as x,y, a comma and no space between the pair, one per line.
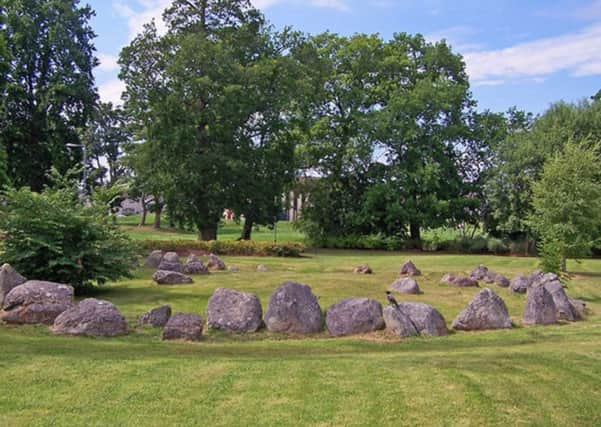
498,82
458,37
332,4
107,62
111,90
579,54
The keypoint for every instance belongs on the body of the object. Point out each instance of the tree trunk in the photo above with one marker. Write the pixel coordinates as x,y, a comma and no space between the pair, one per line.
563,264
144,212
247,229
208,232
415,232
157,217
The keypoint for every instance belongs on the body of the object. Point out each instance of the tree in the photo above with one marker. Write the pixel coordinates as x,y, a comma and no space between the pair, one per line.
567,201
49,92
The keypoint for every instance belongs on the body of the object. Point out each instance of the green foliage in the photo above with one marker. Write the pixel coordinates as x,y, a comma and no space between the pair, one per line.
51,236
228,247
550,255
567,201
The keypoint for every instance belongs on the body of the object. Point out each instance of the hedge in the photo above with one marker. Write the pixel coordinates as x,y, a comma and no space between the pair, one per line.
227,247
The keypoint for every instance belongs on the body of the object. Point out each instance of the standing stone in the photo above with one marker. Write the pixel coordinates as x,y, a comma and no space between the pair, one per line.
171,262
215,263
354,316
540,308
409,269
459,281
293,308
234,311
194,265
156,317
406,285
520,284
427,320
564,309
183,326
154,259
363,269
166,277
9,279
36,301
486,311
92,318
399,323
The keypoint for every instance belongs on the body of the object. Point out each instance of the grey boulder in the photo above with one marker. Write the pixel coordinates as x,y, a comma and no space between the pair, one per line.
92,318
564,309
9,279
406,285
156,317
427,320
183,326
215,263
354,316
171,262
194,265
293,308
154,259
486,311
540,308
234,311
500,280
480,273
408,268
459,281
166,277
36,301
520,284
399,323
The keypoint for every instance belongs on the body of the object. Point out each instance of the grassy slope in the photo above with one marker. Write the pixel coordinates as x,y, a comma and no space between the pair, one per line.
525,376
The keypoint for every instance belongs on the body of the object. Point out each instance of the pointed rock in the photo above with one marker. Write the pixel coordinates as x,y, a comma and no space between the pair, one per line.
486,311
540,308
9,279
405,285
399,323
408,268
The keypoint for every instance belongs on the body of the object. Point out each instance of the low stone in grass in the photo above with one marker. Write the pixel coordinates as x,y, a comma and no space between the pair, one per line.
215,263
520,284
233,269
486,311
363,269
166,277
157,317
399,323
459,281
578,307
36,301
234,311
154,259
293,308
91,317
540,308
9,279
354,316
171,262
408,268
405,285
427,320
183,326
262,268
480,273
501,280
194,265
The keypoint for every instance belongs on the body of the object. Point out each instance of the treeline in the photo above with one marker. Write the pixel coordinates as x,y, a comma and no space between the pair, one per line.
222,111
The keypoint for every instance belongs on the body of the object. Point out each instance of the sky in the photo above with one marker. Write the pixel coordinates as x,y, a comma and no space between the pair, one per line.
524,53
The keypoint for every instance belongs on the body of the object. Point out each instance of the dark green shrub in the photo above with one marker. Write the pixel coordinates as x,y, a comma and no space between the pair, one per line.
52,236
227,247
497,246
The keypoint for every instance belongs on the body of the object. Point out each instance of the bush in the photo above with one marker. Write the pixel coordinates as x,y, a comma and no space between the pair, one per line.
497,246
52,236
227,247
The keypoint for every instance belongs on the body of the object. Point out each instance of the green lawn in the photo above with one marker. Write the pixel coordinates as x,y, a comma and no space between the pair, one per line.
542,376
227,231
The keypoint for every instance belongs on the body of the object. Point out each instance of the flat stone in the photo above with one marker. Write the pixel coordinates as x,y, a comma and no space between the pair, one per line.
166,277
459,281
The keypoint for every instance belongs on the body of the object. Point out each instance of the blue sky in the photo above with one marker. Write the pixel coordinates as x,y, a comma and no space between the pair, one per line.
527,53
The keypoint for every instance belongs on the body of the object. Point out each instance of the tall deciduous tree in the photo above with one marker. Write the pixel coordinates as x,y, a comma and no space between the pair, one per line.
49,92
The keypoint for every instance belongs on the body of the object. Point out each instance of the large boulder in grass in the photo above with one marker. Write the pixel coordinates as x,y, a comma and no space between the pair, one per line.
293,308
171,262
520,284
36,301
363,269
408,268
540,308
354,316
9,279
427,320
154,259
406,285
563,307
215,263
486,311
399,323
194,265
158,317
92,318
183,326
166,277
459,281
234,311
